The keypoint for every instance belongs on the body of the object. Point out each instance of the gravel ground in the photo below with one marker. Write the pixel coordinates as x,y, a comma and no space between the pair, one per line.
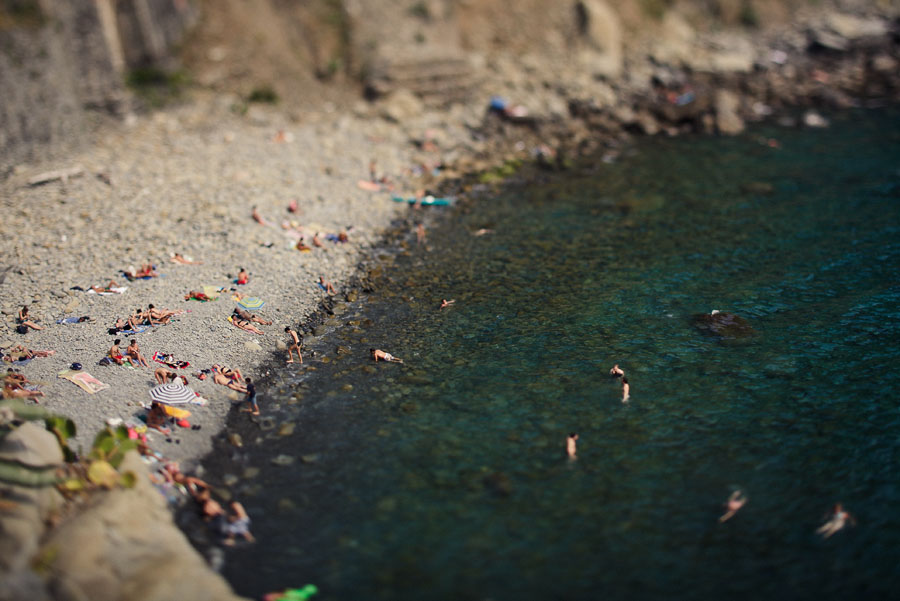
185,180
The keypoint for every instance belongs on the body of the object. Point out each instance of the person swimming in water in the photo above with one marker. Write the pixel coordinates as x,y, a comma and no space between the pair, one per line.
733,504
380,354
571,446
616,371
626,388
838,518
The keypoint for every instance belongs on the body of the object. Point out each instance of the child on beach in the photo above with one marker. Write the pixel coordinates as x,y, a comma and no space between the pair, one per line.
293,345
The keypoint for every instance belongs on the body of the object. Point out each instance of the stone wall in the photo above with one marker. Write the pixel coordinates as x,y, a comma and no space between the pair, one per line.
68,59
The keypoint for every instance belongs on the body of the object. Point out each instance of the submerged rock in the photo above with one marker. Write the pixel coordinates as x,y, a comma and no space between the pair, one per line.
723,325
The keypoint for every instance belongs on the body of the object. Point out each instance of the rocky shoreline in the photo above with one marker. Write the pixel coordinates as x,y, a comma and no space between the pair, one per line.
187,178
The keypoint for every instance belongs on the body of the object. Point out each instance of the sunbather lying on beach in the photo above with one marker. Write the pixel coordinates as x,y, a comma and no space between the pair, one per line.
162,376
379,354
24,321
147,270
230,378
196,295
14,391
245,325
108,288
248,316
19,353
158,316
179,258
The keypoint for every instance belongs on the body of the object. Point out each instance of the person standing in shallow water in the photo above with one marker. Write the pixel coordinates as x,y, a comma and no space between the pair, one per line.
293,345
251,397
571,446
626,388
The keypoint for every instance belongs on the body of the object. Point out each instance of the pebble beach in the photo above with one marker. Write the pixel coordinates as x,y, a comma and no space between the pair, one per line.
186,181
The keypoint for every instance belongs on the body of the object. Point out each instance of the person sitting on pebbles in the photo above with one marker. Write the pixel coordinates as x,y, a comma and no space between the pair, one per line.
248,316
245,325
227,377
24,321
380,354
135,355
242,277
156,418
115,354
326,285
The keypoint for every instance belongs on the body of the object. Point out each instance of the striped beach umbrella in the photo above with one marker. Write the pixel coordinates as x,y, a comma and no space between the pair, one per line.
252,303
172,393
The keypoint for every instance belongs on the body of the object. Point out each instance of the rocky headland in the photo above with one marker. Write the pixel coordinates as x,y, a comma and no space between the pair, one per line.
288,118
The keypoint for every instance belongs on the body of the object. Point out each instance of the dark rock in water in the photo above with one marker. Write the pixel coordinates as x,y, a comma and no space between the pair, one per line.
498,483
723,325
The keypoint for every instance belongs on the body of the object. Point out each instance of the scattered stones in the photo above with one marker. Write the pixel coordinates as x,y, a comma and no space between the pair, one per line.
309,458
286,429
230,479
282,460
235,439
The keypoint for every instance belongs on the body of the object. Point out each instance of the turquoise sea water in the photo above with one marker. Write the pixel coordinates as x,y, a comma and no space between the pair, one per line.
445,478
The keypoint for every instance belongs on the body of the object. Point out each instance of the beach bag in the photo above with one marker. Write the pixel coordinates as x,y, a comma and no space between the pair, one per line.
22,329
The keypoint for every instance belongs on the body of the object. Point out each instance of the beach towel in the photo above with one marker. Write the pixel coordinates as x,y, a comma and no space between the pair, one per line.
170,361
112,290
135,331
213,292
68,320
83,380
22,361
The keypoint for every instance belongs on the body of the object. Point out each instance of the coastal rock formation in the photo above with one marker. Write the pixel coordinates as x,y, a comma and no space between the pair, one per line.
723,325
128,547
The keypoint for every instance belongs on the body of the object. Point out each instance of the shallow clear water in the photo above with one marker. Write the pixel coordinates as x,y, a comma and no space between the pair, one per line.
445,478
